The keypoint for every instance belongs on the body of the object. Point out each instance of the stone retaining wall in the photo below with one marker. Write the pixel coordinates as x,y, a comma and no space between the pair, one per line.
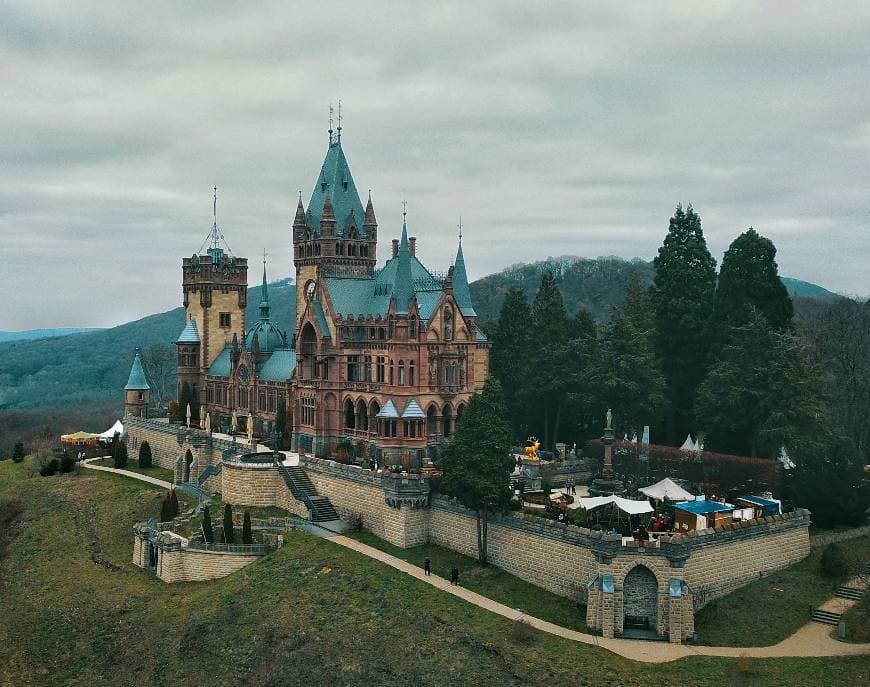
820,540
188,565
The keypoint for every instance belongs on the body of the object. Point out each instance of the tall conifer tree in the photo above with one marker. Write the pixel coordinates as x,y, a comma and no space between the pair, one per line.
509,357
683,293
549,384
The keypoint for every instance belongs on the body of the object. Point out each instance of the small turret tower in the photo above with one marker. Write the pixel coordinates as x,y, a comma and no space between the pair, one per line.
137,392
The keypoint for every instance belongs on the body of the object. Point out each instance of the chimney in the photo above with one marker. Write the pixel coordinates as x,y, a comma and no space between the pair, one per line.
395,247
412,245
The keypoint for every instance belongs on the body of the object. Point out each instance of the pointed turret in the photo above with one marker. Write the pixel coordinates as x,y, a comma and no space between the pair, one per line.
327,219
403,289
264,300
461,291
371,223
136,381
137,392
299,221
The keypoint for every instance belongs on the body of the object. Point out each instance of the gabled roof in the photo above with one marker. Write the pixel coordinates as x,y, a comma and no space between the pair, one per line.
317,308
137,381
413,411
279,367
481,336
336,183
189,334
389,410
223,364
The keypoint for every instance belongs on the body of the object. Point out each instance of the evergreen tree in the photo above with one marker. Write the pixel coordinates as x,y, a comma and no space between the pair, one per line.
760,395
247,537
582,367
749,278
477,462
629,379
549,385
18,452
830,481
509,357
173,499
229,532
281,427
207,530
145,460
119,453
166,513
683,293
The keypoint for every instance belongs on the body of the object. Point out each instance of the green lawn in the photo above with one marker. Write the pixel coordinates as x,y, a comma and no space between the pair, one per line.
312,614
857,621
133,466
490,581
772,608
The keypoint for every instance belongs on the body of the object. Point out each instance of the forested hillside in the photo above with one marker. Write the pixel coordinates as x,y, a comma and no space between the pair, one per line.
29,334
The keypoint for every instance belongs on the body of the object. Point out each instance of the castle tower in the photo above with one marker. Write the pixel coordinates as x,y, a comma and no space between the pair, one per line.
335,236
215,289
137,392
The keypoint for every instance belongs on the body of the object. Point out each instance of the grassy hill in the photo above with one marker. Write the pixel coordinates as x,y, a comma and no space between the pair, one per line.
311,614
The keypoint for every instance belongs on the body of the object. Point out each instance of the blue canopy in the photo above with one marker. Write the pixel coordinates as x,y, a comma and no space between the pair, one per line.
704,507
768,506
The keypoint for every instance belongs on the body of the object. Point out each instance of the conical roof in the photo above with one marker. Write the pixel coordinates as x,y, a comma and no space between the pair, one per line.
336,183
461,291
137,381
190,334
403,289
266,334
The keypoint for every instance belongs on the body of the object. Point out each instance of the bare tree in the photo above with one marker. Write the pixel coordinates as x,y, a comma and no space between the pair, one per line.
160,365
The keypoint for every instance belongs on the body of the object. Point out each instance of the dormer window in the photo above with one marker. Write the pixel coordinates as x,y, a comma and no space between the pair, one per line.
323,186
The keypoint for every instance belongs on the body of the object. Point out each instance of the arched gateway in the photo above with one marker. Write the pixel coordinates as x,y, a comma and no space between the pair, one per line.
640,599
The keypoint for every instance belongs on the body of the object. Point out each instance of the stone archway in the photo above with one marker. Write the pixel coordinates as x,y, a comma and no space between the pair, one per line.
640,599
188,461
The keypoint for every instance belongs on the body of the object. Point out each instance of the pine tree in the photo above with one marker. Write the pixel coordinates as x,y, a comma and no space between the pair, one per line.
166,513
173,499
549,385
509,357
18,452
119,453
477,462
145,460
207,530
683,293
247,537
582,367
749,278
229,532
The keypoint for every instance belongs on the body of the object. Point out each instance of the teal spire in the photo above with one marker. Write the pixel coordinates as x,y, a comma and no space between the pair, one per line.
461,291
336,183
403,290
264,301
137,381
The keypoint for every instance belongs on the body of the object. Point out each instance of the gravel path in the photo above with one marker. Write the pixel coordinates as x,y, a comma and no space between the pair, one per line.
126,473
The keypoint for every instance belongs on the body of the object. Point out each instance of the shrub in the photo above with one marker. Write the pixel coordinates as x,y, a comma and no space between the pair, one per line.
67,463
18,452
173,498
166,513
173,412
247,537
49,468
344,452
207,530
145,460
522,632
229,532
833,563
119,453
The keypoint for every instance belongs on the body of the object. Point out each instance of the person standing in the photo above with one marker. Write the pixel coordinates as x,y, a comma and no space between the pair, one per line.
426,567
454,575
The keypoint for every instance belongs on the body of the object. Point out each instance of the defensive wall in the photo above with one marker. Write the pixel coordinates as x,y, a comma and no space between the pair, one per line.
659,585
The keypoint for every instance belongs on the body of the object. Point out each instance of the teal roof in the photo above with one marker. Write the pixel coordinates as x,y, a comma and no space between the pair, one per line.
189,334
223,364
461,292
317,307
480,335
413,410
279,367
269,337
403,288
389,410
137,381
704,507
336,183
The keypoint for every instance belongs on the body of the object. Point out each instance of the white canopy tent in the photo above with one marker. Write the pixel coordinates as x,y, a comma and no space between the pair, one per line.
689,444
625,505
117,428
668,490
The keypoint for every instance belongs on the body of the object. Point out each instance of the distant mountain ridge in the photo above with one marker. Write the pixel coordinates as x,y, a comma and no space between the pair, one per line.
30,334
92,366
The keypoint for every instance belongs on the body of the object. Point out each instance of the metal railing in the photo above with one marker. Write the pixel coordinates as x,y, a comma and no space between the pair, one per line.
252,549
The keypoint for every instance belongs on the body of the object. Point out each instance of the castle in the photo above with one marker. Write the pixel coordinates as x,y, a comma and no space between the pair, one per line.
388,357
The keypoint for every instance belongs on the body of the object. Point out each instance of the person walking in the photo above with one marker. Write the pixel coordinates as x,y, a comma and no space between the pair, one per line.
454,575
426,567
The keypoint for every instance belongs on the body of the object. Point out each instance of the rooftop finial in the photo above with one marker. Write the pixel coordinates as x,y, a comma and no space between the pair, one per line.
404,209
339,120
330,123
460,228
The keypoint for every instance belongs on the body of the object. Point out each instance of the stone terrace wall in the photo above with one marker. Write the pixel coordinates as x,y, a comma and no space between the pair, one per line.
552,556
257,485
357,492
725,559
819,540
187,565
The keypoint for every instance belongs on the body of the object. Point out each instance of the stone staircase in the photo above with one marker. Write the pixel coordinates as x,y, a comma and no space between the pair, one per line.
826,617
851,593
320,508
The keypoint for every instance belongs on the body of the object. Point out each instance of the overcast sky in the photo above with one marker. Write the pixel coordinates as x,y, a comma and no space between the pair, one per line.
551,128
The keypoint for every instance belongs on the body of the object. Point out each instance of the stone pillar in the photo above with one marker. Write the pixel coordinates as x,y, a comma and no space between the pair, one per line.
675,620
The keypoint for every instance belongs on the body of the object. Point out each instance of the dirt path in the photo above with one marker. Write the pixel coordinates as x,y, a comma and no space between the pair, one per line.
813,639
126,473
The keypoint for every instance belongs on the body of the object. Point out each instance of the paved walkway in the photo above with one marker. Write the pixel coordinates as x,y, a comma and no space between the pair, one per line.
126,473
811,640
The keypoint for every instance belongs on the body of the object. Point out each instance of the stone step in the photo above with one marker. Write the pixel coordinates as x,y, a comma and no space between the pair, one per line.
852,593
826,617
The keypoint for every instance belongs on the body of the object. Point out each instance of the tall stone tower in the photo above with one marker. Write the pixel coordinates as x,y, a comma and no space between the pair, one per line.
137,392
215,295
335,236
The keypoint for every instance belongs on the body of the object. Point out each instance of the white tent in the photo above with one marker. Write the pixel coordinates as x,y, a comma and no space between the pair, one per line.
117,428
666,489
688,444
626,505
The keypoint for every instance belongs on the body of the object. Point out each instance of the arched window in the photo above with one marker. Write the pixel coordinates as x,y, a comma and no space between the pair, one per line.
432,420
349,416
401,373
411,376
448,421
362,416
413,328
